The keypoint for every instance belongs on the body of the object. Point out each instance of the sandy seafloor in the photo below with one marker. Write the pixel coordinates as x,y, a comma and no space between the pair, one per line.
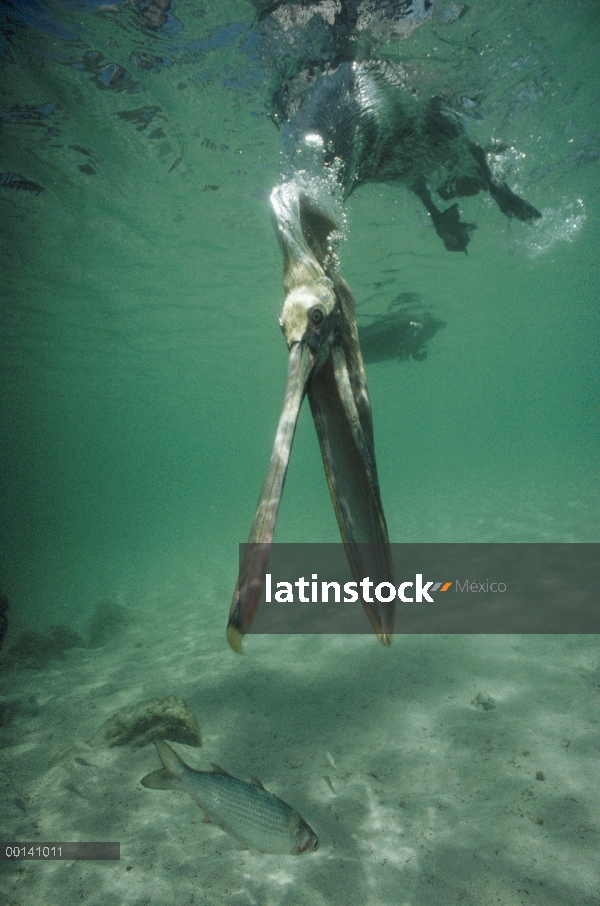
419,794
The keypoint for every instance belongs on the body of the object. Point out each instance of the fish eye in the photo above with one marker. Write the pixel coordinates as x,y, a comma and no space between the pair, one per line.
317,316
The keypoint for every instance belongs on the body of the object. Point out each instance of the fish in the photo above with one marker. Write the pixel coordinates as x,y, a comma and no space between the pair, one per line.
246,811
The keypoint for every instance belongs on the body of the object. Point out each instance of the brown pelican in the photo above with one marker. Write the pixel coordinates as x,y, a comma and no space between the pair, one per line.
374,130
353,122
325,363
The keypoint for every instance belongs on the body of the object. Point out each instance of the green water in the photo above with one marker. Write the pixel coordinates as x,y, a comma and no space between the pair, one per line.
142,365
141,358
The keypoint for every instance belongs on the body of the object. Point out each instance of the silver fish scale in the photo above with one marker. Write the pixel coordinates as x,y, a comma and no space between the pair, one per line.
251,815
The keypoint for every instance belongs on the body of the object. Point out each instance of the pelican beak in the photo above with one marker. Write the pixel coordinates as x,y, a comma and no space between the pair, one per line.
325,362
330,371
346,441
252,570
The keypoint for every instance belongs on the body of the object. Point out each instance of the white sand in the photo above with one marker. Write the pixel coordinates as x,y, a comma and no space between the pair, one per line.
419,794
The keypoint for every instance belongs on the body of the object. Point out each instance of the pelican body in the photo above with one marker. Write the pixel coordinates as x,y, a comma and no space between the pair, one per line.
376,130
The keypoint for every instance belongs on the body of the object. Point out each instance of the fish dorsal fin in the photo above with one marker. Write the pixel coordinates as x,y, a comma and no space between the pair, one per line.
217,769
257,782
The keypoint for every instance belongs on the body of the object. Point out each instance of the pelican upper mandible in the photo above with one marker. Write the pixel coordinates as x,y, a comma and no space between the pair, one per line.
325,363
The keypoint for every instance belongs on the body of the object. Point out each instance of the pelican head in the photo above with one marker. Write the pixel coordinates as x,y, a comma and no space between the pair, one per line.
319,324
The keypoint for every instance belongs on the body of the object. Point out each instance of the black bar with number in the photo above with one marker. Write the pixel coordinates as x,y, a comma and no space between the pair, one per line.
51,852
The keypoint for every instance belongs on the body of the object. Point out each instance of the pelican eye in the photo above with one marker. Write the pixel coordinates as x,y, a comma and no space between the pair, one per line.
317,316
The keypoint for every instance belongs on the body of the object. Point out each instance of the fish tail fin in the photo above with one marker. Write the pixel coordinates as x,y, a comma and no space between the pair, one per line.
173,772
160,780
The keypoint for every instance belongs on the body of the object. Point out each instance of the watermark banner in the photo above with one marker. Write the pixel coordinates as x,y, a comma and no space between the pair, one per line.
436,588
